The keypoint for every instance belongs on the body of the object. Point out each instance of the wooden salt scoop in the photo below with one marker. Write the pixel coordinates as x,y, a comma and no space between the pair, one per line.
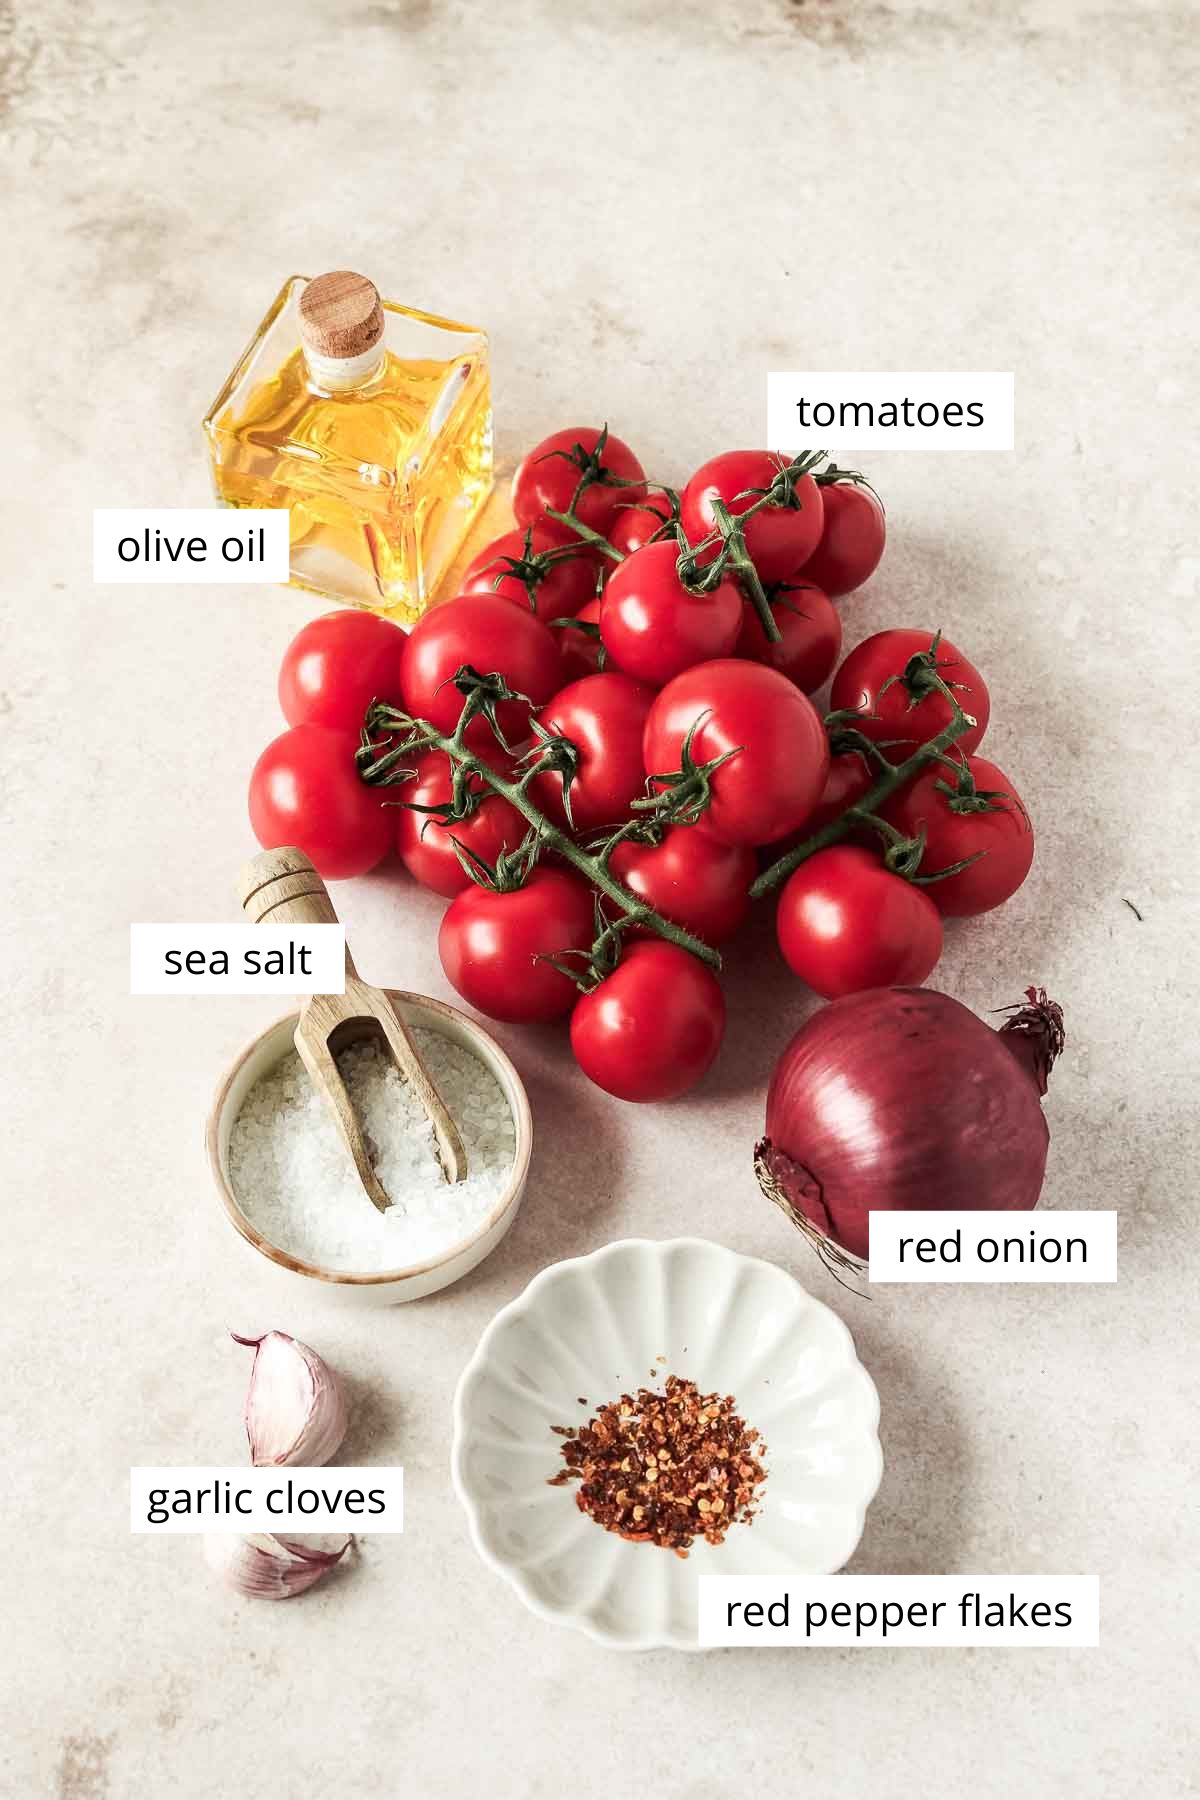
282,887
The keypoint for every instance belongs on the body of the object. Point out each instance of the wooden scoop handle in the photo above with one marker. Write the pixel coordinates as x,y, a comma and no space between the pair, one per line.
281,887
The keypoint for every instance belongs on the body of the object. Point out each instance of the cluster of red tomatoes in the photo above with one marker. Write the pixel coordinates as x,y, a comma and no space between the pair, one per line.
675,674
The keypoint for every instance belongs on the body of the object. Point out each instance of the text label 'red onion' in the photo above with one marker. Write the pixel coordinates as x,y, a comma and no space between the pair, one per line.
889,410
993,1246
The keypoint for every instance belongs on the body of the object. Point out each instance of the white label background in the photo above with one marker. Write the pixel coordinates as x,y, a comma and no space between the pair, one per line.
257,1485
785,388
1081,1592
1097,1229
148,945
214,524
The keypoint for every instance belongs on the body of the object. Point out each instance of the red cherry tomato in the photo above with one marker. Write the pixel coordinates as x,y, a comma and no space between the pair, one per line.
889,716
336,665
962,823
490,635
603,717
852,539
550,474
637,521
581,651
559,590
306,791
812,635
690,878
846,923
653,627
849,779
491,945
653,1027
424,843
779,539
770,786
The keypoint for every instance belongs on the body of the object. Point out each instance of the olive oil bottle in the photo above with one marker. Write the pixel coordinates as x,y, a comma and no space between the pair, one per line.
372,423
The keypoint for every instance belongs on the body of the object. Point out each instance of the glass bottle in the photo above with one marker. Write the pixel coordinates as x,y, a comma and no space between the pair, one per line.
373,423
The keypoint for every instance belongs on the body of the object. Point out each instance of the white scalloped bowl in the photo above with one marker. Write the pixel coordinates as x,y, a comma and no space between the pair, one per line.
595,1327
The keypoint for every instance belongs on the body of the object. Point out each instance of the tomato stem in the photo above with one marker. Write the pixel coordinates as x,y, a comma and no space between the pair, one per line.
595,538
736,558
592,468
831,476
632,828
685,793
864,811
375,769
532,566
732,556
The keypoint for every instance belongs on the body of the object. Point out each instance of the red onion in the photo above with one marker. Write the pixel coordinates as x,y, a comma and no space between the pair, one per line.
901,1098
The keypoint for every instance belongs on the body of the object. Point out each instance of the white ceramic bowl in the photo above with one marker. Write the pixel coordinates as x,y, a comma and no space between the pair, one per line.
391,1286
595,1327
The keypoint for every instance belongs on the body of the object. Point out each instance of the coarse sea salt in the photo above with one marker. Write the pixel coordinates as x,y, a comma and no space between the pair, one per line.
295,1182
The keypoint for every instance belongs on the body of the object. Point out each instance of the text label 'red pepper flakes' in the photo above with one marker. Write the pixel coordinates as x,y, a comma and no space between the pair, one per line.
665,1468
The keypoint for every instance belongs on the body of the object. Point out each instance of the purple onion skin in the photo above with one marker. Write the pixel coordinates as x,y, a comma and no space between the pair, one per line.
901,1098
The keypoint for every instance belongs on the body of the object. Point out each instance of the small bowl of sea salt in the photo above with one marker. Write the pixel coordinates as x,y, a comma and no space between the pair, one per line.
290,1190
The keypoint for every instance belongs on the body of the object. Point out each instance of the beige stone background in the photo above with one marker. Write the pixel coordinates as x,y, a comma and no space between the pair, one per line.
649,205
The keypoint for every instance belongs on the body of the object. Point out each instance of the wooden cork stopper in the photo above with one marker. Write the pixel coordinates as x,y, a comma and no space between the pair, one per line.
340,315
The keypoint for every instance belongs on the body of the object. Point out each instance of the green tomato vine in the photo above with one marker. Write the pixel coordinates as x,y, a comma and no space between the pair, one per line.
674,797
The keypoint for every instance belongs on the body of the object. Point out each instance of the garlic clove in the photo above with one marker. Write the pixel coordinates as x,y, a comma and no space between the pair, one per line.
263,1567
295,1407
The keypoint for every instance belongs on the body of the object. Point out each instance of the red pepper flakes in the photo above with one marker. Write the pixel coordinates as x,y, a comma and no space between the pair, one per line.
665,1468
